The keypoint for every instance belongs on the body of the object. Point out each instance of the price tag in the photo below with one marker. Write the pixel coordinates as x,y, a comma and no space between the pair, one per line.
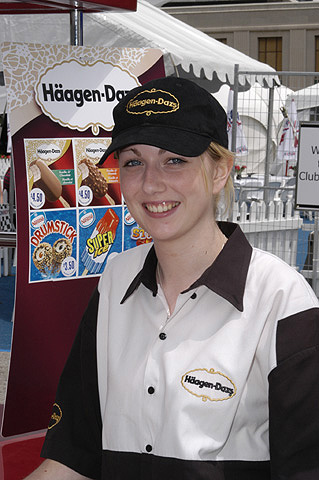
85,195
37,198
68,266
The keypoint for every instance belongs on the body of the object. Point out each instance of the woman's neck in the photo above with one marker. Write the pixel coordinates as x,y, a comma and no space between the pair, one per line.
180,264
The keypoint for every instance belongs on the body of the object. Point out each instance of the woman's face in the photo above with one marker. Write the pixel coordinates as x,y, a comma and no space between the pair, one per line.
166,193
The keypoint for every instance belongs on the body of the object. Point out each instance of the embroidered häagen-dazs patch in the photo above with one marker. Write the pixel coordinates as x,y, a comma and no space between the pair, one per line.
152,102
208,385
56,416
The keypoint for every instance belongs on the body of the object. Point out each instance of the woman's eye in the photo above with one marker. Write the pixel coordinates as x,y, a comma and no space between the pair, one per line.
176,161
132,163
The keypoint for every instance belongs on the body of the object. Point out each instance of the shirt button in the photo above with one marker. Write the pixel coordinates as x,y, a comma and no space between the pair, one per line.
148,448
162,336
194,296
151,390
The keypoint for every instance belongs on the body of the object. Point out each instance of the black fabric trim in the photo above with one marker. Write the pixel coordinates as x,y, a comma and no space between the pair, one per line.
297,332
143,466
75,440
219,277
293,399
227,275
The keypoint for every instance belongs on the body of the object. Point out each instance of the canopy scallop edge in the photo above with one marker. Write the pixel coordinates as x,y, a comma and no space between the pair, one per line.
192,52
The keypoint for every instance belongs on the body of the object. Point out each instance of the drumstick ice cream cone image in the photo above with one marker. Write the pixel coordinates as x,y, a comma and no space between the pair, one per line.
93,178
42,258
62,248
99,243
47,181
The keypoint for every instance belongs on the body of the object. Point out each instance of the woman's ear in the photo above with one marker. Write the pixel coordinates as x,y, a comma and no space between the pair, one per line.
221,172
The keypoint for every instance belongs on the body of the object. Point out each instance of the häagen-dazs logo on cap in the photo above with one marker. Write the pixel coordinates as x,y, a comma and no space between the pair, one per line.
152,101
208,384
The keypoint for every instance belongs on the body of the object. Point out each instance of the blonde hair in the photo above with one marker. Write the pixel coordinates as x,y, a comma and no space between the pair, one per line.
223,202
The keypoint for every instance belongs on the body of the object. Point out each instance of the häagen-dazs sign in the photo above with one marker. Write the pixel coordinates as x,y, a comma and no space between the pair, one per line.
80,96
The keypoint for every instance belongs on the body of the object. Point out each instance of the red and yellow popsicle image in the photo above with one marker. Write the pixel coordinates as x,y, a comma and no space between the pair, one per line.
99,243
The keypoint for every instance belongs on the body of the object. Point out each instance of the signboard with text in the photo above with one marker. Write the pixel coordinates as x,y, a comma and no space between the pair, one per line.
64,6
70,212
307,186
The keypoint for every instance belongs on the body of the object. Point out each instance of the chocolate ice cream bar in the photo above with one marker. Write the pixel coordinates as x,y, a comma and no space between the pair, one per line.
93,178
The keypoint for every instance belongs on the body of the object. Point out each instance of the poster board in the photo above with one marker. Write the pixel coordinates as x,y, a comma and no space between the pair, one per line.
307,184
10,7
70,214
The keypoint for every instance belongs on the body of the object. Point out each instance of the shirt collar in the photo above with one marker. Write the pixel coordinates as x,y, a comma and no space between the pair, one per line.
226,276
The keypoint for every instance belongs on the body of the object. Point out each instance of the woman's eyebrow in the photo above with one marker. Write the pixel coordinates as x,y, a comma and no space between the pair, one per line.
134,150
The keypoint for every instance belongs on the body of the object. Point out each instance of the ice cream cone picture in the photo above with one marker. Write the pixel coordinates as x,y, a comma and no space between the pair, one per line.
99,243
62,248
42,257
93,178
45,180
48,259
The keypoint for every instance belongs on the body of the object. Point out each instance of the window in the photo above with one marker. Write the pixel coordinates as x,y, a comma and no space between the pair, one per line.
270,51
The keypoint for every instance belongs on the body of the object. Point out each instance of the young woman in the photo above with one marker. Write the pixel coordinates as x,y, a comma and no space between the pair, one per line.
197,357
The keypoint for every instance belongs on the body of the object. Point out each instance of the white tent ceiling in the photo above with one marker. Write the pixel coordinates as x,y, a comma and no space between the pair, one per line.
195,52
187,50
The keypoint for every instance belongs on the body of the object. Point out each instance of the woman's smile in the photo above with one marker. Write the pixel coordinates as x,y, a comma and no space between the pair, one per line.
161,207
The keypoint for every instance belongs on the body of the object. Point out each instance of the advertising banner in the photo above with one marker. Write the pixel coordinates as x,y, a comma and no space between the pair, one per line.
70,213
307,197
64,6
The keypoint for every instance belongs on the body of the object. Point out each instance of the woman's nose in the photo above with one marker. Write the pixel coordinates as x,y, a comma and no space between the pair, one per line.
153,180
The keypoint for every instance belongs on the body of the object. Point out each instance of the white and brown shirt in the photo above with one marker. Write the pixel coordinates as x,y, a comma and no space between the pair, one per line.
225,388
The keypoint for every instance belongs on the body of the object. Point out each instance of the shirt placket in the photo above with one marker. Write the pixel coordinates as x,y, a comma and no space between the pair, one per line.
154,385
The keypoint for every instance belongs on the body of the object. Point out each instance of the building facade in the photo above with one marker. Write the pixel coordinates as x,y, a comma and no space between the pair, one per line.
283,34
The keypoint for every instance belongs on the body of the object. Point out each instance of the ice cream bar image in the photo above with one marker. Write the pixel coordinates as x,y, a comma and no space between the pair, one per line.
99,243
49,183
93,178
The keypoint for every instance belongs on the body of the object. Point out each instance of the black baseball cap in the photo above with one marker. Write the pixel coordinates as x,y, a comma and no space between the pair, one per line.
170,113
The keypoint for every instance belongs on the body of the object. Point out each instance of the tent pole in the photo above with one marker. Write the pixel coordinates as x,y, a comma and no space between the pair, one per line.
76,27
235,107
269,146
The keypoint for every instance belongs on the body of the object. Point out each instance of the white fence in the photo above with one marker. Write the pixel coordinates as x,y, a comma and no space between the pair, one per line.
273,227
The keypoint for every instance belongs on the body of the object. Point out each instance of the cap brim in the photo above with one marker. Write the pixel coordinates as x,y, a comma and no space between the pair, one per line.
181,142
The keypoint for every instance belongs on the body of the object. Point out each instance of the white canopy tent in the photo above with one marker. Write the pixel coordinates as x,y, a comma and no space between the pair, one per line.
253,108
188,52
307,102
192,52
